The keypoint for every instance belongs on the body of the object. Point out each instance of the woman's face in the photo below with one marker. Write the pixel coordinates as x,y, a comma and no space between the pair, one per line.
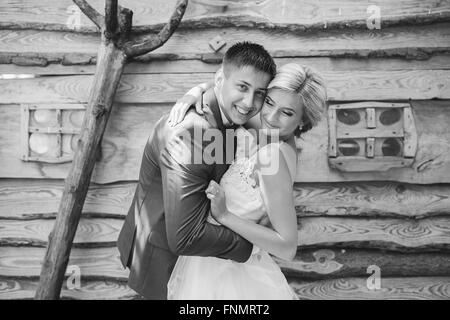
282,111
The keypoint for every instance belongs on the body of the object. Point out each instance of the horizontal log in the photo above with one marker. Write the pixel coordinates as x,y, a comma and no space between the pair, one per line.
102,264
430,234
22,199
94,263
372,198
317,264
130,126
19,289
90,232
138,88
166,88
421,288
25,199
290,15
53,13
437,62
428,288
419,42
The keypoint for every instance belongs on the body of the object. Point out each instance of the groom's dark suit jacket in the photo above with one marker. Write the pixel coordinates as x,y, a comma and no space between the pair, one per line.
168,214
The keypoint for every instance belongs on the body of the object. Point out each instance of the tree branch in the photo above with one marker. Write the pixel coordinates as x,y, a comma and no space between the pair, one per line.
149,43
125,18
91,13
110,18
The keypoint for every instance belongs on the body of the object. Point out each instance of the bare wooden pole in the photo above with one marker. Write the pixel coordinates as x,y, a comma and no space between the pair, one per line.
112,57
110,18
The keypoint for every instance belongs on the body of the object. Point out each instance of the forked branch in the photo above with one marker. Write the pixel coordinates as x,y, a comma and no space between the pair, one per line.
147,43
91,13
118,21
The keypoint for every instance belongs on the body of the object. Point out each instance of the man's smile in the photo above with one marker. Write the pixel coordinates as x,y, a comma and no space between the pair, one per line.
243,111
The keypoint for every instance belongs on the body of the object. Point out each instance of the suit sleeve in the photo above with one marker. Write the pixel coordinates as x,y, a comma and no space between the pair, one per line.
186,206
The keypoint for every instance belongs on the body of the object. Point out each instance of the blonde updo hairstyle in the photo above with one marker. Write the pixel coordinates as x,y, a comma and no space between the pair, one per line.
311,90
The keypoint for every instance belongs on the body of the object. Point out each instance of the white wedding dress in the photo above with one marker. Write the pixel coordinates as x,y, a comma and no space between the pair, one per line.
259,278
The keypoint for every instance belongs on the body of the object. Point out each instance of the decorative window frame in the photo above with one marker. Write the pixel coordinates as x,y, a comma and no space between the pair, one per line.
58,130
373,129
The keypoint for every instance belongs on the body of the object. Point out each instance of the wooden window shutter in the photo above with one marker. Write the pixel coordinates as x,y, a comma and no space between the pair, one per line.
371,136
49,132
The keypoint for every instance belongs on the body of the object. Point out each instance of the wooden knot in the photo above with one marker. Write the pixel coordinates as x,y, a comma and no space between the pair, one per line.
400,188
99,110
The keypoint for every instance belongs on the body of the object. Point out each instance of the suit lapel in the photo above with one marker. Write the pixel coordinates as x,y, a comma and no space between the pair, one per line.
210,101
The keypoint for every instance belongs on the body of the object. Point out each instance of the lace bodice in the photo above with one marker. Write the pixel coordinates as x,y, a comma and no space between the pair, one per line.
243,195
240,183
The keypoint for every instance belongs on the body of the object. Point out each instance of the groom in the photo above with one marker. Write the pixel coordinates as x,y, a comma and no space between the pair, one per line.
168,214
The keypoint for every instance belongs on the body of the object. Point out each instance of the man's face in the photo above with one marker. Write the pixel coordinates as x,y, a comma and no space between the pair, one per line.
242,92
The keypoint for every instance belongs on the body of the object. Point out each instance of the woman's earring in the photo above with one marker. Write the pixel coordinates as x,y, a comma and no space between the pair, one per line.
298,131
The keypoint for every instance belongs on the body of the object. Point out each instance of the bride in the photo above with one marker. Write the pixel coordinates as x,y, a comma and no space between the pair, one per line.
247,194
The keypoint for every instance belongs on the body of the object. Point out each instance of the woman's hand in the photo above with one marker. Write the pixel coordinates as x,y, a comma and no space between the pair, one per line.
216,194
179,110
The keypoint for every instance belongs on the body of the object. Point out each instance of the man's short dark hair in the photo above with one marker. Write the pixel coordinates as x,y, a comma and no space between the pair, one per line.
246,53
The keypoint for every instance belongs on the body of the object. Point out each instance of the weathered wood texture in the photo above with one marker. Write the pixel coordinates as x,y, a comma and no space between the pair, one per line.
341,263
429,234
309,264
165,88
427,288
102,266
90,232
94,264
372,198
22,199
18,289
436,62
290,14
130,126
424,288
39,199
16,46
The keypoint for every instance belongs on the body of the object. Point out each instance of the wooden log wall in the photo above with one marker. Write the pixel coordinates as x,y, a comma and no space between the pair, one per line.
398,220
